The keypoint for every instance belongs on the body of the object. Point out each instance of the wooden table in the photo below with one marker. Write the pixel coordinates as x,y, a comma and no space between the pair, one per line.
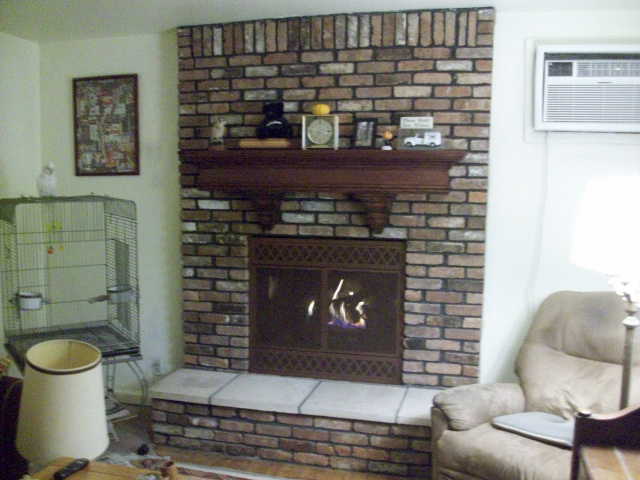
94,471
606,463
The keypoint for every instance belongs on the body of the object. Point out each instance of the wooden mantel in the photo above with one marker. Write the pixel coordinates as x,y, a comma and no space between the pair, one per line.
373,177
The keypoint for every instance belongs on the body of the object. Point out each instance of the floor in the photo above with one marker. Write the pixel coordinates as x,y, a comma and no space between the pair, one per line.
277,469
135,432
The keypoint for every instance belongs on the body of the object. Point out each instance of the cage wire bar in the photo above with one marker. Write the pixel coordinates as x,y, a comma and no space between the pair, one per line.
69,269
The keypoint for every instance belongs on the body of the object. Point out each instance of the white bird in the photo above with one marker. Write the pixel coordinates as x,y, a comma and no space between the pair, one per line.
218,131
47,186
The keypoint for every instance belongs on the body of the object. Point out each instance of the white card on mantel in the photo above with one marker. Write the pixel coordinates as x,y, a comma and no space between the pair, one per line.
416,122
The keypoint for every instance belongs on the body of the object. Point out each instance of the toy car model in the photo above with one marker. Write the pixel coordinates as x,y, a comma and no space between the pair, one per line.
429,138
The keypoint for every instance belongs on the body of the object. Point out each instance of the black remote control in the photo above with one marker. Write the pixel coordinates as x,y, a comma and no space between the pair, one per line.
71,468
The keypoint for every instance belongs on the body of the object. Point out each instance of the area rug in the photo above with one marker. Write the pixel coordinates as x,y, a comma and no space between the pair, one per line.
187,470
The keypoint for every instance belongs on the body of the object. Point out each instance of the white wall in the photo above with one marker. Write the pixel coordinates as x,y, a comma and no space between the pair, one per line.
536,182
155,191
19,116
19,121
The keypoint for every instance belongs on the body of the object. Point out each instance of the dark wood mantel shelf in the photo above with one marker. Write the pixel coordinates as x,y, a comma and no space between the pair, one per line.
373,177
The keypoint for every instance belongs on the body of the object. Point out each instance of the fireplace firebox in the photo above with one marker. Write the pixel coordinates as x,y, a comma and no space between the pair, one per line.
326,308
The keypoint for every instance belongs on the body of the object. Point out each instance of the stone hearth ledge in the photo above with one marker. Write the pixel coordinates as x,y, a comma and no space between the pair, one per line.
392,404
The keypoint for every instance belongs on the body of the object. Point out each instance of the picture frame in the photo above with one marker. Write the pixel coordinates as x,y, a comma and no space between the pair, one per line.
364,133
106,125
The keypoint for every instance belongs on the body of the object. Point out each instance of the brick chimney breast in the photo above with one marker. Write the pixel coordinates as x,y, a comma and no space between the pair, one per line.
382,65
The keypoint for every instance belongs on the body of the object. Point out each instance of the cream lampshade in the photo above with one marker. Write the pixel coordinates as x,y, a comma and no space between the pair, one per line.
607,240
62,410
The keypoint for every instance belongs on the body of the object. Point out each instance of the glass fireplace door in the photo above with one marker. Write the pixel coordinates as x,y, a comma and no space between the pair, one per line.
326,309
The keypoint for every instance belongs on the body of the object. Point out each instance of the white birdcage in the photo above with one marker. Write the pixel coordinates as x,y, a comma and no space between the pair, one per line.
69,269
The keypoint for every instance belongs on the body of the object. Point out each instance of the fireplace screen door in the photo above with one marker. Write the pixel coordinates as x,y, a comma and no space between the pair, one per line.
326,308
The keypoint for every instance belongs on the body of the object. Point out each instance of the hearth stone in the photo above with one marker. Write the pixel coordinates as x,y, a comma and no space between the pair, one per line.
395,404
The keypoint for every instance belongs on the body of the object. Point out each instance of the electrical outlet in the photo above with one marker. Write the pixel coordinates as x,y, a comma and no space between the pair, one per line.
156,367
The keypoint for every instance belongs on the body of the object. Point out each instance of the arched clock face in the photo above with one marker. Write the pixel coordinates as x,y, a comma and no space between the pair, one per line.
320,131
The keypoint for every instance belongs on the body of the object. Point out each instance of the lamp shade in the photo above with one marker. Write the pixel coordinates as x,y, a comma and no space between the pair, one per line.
62,410
607,236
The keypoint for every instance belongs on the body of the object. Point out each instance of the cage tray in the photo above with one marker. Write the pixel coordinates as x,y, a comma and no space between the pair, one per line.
108,340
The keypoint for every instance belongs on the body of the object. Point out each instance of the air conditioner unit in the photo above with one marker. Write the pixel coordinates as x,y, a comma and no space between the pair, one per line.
588,88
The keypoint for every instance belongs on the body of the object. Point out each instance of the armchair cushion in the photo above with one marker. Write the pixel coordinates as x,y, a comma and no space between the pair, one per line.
488,453
582,333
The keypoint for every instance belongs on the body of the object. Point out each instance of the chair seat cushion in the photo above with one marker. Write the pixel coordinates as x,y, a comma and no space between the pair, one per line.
541,426
489,453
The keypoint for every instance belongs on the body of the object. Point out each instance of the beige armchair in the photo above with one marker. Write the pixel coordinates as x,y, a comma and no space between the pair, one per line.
570,360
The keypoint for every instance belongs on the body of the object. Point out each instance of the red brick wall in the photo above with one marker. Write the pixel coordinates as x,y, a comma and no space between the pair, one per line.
373,447
382,65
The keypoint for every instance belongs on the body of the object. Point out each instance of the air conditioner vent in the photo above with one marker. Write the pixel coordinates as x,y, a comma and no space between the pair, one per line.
590,88
593,103
608,69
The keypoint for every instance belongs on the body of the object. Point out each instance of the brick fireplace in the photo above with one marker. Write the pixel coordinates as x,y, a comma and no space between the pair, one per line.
375,65
385,65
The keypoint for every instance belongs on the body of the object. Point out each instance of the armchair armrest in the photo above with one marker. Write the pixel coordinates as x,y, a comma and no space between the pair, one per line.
468,406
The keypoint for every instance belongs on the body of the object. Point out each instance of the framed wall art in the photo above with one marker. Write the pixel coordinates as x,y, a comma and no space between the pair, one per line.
106,125
364,133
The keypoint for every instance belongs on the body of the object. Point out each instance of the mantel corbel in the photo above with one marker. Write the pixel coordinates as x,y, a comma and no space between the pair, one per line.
378,209
267,206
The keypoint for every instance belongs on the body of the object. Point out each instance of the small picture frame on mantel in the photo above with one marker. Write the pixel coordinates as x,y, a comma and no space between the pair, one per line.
364,133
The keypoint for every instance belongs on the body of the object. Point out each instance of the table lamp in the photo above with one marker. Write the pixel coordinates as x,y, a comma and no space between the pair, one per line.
607,240
62,409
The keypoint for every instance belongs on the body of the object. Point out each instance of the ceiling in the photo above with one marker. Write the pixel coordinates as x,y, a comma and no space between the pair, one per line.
61,20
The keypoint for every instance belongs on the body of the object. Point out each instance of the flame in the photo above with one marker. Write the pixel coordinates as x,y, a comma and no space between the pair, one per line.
342,315
335,294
